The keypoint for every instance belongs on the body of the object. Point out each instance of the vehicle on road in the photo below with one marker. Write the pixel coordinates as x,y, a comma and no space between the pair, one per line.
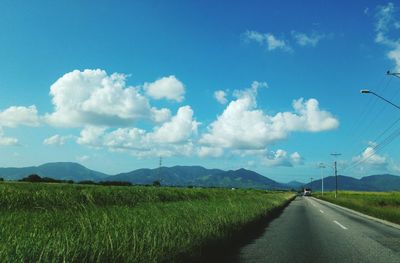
307,192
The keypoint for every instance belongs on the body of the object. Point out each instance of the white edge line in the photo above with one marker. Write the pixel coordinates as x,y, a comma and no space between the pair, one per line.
339,224
321,211
384,222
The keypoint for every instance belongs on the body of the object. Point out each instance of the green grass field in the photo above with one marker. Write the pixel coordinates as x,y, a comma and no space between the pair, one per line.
83,223
384,205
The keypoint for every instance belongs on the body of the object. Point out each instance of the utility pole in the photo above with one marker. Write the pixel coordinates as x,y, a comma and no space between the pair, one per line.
322,166
311,180
159,169
335,155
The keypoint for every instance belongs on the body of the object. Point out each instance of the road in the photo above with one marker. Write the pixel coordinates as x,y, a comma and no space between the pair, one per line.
309,230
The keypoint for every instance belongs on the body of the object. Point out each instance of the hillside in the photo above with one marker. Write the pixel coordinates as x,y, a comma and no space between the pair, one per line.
200,176
197,176
58,170
382,182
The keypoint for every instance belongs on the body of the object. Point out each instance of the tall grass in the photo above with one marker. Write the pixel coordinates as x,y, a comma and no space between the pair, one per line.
74,223
384,205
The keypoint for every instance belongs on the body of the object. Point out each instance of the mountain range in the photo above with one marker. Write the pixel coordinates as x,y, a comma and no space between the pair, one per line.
200,176
378,182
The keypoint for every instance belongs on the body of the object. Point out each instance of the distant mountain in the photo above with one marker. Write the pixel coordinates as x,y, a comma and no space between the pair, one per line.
177,175
197,176
59,170
200,176
238,178
294,185
384,182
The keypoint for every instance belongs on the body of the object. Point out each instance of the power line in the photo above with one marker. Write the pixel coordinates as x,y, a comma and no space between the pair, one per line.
375,149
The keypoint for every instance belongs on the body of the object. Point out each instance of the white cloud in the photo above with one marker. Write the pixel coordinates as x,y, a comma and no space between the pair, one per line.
274,43
220,96
179,129
384,17
94,98
160,115
296,158
281,158
166,88
18,115
307,40
370,157
385,25
306,117
91,136
171,138
242,126
205,151
83,158
268,40
7,141
57,140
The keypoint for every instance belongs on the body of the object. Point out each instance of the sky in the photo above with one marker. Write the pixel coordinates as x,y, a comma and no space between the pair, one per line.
269,86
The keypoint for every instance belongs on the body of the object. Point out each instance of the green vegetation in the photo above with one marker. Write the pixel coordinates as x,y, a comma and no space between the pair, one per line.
87,223
384,205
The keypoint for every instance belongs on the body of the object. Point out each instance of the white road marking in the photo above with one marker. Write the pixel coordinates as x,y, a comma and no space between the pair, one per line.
321,211
339,224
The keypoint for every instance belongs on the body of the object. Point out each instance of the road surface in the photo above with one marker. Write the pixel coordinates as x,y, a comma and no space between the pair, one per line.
309,230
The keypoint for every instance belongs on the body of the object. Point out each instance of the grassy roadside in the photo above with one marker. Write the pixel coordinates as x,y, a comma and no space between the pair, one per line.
72,223
383,205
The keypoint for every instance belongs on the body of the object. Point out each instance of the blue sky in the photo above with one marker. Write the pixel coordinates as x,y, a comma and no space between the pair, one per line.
272,87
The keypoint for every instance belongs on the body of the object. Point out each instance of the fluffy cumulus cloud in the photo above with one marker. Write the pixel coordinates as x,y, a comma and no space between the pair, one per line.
268,40
92,97
207,151
174,137
115,116
57,140
178,129
220,96
166,88
282,158
18,115
370,157
386,28
245,127
7,141
91,136
303,39
15,116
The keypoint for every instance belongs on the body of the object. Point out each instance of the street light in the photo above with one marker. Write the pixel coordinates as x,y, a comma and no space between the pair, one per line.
365,91
395,74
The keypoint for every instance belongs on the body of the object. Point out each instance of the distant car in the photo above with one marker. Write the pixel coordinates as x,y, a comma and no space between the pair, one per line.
307,192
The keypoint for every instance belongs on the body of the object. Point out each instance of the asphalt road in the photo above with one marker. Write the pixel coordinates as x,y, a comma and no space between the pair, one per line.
309,230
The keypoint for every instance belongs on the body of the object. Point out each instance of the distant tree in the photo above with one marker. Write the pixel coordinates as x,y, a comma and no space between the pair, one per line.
1,179
116,183
86,182
33,178
50,180
157,183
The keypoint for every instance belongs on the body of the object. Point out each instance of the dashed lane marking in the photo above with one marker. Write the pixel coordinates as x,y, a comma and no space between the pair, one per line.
339,224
